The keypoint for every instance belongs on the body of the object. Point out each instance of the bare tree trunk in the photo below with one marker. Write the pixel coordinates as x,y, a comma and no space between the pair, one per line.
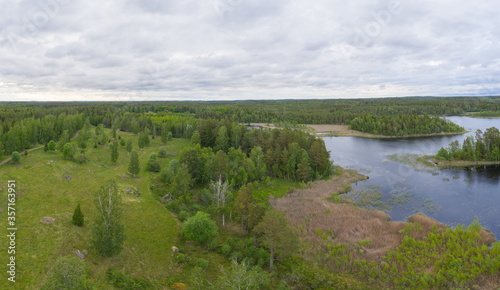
223,219
272,257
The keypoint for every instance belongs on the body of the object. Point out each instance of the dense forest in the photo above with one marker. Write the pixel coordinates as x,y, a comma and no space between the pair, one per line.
200,163
482,147
401,125
23,125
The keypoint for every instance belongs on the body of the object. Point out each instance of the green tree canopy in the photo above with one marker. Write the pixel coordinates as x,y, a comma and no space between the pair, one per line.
199,228
15,157
276,235
134,166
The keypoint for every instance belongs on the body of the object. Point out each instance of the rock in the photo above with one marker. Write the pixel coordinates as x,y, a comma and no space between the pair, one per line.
167,197
68,176
1,209
179,286
85,252
47,220
175,249
79,254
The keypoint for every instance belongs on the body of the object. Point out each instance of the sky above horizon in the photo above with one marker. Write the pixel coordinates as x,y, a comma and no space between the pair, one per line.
61,50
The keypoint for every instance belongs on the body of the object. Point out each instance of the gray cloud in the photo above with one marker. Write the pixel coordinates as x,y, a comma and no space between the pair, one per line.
241,49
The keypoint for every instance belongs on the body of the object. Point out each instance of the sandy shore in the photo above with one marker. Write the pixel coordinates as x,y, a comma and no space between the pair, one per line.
343,130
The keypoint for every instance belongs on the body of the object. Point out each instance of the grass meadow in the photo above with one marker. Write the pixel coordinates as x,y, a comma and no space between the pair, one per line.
45,191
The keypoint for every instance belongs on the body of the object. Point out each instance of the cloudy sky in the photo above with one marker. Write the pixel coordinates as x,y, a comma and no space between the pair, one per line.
247,49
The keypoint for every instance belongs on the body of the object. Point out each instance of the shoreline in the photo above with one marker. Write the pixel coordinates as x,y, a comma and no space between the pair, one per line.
326,130
309,209
462,163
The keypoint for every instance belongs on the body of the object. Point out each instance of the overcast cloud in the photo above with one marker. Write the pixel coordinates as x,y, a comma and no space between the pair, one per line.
247,49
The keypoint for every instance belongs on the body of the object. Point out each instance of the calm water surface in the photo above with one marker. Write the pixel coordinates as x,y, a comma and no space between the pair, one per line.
450,196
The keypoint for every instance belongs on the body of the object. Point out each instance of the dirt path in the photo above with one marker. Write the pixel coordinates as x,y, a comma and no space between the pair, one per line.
29,150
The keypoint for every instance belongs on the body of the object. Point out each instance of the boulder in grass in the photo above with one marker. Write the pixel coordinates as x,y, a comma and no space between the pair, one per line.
175,249
47,220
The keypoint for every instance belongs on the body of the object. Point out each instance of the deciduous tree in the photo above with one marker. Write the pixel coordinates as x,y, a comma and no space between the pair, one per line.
134,166
108,233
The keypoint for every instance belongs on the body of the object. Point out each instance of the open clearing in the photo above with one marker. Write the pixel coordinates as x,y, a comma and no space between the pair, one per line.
45,189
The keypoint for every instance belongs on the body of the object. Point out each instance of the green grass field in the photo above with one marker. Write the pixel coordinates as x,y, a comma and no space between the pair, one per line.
44,191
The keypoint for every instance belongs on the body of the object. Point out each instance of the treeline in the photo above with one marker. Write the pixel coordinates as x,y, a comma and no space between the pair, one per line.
402,125
482,147
26,125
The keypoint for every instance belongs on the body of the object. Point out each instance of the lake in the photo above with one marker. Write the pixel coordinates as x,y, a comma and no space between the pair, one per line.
450,196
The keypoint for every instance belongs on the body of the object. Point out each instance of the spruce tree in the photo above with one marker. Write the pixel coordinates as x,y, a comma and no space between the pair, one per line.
78,219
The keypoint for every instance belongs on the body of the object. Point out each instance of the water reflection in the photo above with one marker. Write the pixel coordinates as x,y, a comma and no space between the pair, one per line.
453,196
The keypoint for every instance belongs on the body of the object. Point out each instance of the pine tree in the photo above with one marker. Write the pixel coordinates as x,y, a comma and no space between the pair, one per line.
277,235
77,217
133,166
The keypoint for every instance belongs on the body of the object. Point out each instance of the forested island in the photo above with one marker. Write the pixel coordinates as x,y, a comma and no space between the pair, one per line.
196,199
483,148
403,125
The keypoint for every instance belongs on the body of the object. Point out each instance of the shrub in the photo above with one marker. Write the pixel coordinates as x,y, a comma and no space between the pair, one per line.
52,145
68,151
124,281
15,157
153,164
162,153
81,158
181,258
68,273
183,215
77,219
202,263
226,249
199,228
213,245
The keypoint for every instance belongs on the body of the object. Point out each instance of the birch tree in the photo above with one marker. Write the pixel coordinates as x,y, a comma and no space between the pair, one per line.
221,195
108,232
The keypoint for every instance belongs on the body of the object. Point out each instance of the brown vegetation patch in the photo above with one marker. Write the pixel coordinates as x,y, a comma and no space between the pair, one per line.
320,222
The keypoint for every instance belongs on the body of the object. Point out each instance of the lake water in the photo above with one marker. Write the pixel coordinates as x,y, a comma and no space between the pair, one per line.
449,196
